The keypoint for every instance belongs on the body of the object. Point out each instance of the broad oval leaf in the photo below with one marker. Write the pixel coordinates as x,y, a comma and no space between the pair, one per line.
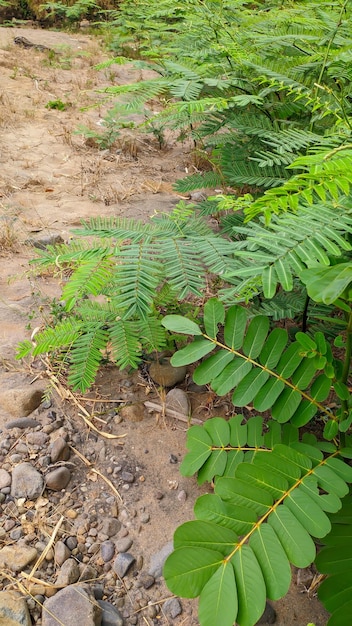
249,387
329,502
212,367
250,586
320,389
273,561
335,560
205,535
192,352
336,594
218,604
187,570
231,376
262,477
255,437
308,513
219,431
213,466
255,336
286,405
330,481
242,494
327,284
304,374
273,347
268,394
235,326
212,508
199,445
295,540
238,431
180,324
214,314
289,361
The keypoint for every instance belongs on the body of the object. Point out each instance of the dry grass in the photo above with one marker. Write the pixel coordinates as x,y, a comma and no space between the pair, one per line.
8,236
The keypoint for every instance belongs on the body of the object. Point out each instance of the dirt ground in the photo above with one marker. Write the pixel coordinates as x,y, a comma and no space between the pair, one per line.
50,179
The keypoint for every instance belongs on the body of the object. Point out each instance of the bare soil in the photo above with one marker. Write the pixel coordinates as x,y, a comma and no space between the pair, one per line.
50,179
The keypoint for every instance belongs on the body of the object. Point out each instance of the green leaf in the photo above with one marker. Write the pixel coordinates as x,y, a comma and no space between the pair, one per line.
205,535
320,389
269,281
219,431
308,513
289,361
327,284
268,394
272,560
341,390
335,560
250,586
306,342
331,429
330,481
214,314
231,376
235,326
192,352
263,478
240,493
336,594
249,387
180,324
329,502
255,336
286,405
295,540
218,604
212,508
199,443
238,431
273,348
188,569
255,436
210,368
213,466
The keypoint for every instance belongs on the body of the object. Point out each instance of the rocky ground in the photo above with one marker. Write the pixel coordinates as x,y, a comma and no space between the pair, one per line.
90,489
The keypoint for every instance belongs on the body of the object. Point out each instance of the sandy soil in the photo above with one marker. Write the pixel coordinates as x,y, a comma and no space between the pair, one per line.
51,179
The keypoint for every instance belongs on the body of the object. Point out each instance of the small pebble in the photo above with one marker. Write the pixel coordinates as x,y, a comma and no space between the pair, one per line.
107,550
182,496
123,563
124,544
127,477
172,608
58,479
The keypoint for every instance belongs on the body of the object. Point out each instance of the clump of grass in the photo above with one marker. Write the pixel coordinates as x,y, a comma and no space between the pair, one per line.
8,236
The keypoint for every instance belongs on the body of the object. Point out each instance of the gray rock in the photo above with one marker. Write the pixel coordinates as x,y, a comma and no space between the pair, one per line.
178,400
172,608
158,559
73,606
107,551
111,526
163,373
111,616
87,572
127,477
146,580
17,557
5,479
123,563
22,422
61,552
58,479
268,617
68,573
124,544
27,482
21,401
37,438
13,609
59,450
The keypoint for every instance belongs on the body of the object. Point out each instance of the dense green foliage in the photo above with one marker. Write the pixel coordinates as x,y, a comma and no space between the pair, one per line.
265,91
